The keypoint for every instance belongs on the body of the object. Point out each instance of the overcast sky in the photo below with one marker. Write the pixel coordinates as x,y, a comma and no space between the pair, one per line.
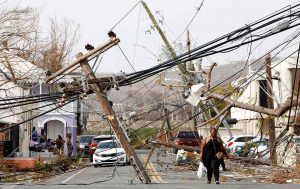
97,17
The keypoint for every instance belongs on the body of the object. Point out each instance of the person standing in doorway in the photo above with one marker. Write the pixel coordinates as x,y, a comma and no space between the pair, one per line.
210,146
59,144
69,147
34,135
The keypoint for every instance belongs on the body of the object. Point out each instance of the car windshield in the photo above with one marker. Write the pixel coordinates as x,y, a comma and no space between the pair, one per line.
187,134
86,139
261,143
111,144
297,140
244,139
97,140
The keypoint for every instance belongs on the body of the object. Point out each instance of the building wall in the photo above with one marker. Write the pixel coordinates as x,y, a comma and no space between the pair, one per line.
250,96
222,132
249,121
11,90
55,121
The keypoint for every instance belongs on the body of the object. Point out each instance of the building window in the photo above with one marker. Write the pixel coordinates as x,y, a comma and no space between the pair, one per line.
263,96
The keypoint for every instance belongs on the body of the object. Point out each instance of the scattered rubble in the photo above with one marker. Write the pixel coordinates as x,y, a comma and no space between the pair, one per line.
262,173
43,171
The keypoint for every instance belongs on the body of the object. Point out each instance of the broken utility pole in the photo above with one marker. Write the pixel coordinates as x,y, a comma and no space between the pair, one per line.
168,133
171,145
186,76
271,121
101,96
190,67
168,45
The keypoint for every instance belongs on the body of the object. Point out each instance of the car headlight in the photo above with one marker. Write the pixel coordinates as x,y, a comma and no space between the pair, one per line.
98,155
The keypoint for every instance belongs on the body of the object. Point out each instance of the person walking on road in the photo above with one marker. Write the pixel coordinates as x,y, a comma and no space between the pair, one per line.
212,151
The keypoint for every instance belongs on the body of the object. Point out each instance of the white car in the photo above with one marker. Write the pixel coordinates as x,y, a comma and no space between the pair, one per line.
109,152
236,142
260,144
260,150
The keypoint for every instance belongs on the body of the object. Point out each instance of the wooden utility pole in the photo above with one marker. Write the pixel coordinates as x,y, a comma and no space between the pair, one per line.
164,38
190,65
191,68
115,125
185,74
101,96
165,122
169,129
271,120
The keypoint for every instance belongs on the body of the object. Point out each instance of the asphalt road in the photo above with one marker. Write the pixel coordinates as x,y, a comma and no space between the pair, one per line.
161,170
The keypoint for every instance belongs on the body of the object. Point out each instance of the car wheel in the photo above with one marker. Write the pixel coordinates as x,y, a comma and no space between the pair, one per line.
127,162
95,165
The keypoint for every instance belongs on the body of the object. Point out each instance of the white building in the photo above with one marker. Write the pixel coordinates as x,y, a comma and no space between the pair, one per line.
283,73
19,78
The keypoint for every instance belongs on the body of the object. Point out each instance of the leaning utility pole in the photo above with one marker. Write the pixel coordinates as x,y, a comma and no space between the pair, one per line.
164,38
185,74
271,121
190,67
82,60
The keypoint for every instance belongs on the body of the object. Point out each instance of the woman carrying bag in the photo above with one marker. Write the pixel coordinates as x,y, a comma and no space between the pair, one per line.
212,151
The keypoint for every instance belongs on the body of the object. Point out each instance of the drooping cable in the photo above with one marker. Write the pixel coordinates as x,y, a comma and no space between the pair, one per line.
34,117
206,49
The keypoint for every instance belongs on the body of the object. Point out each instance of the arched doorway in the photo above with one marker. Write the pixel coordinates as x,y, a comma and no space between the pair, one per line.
53,128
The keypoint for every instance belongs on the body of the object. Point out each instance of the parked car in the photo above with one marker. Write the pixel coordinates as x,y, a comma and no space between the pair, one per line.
255,145
85,142
109,152
235,142
260,149
96,140
187,138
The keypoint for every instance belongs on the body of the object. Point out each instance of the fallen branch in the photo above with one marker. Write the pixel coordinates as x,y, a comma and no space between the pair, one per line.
209,75
251,160
272,112
224,111
171,145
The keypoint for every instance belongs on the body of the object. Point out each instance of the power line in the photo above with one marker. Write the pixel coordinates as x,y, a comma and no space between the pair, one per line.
125,15
219,100
198,10
28,110
36,116
134,69
208,48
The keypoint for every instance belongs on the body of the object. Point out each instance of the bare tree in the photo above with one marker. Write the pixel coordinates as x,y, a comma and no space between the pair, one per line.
20,34
59,46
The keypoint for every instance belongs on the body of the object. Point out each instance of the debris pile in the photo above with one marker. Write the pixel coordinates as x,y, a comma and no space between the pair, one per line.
282,176
43,171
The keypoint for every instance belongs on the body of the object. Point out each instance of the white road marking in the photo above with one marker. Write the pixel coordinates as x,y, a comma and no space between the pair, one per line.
73,175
